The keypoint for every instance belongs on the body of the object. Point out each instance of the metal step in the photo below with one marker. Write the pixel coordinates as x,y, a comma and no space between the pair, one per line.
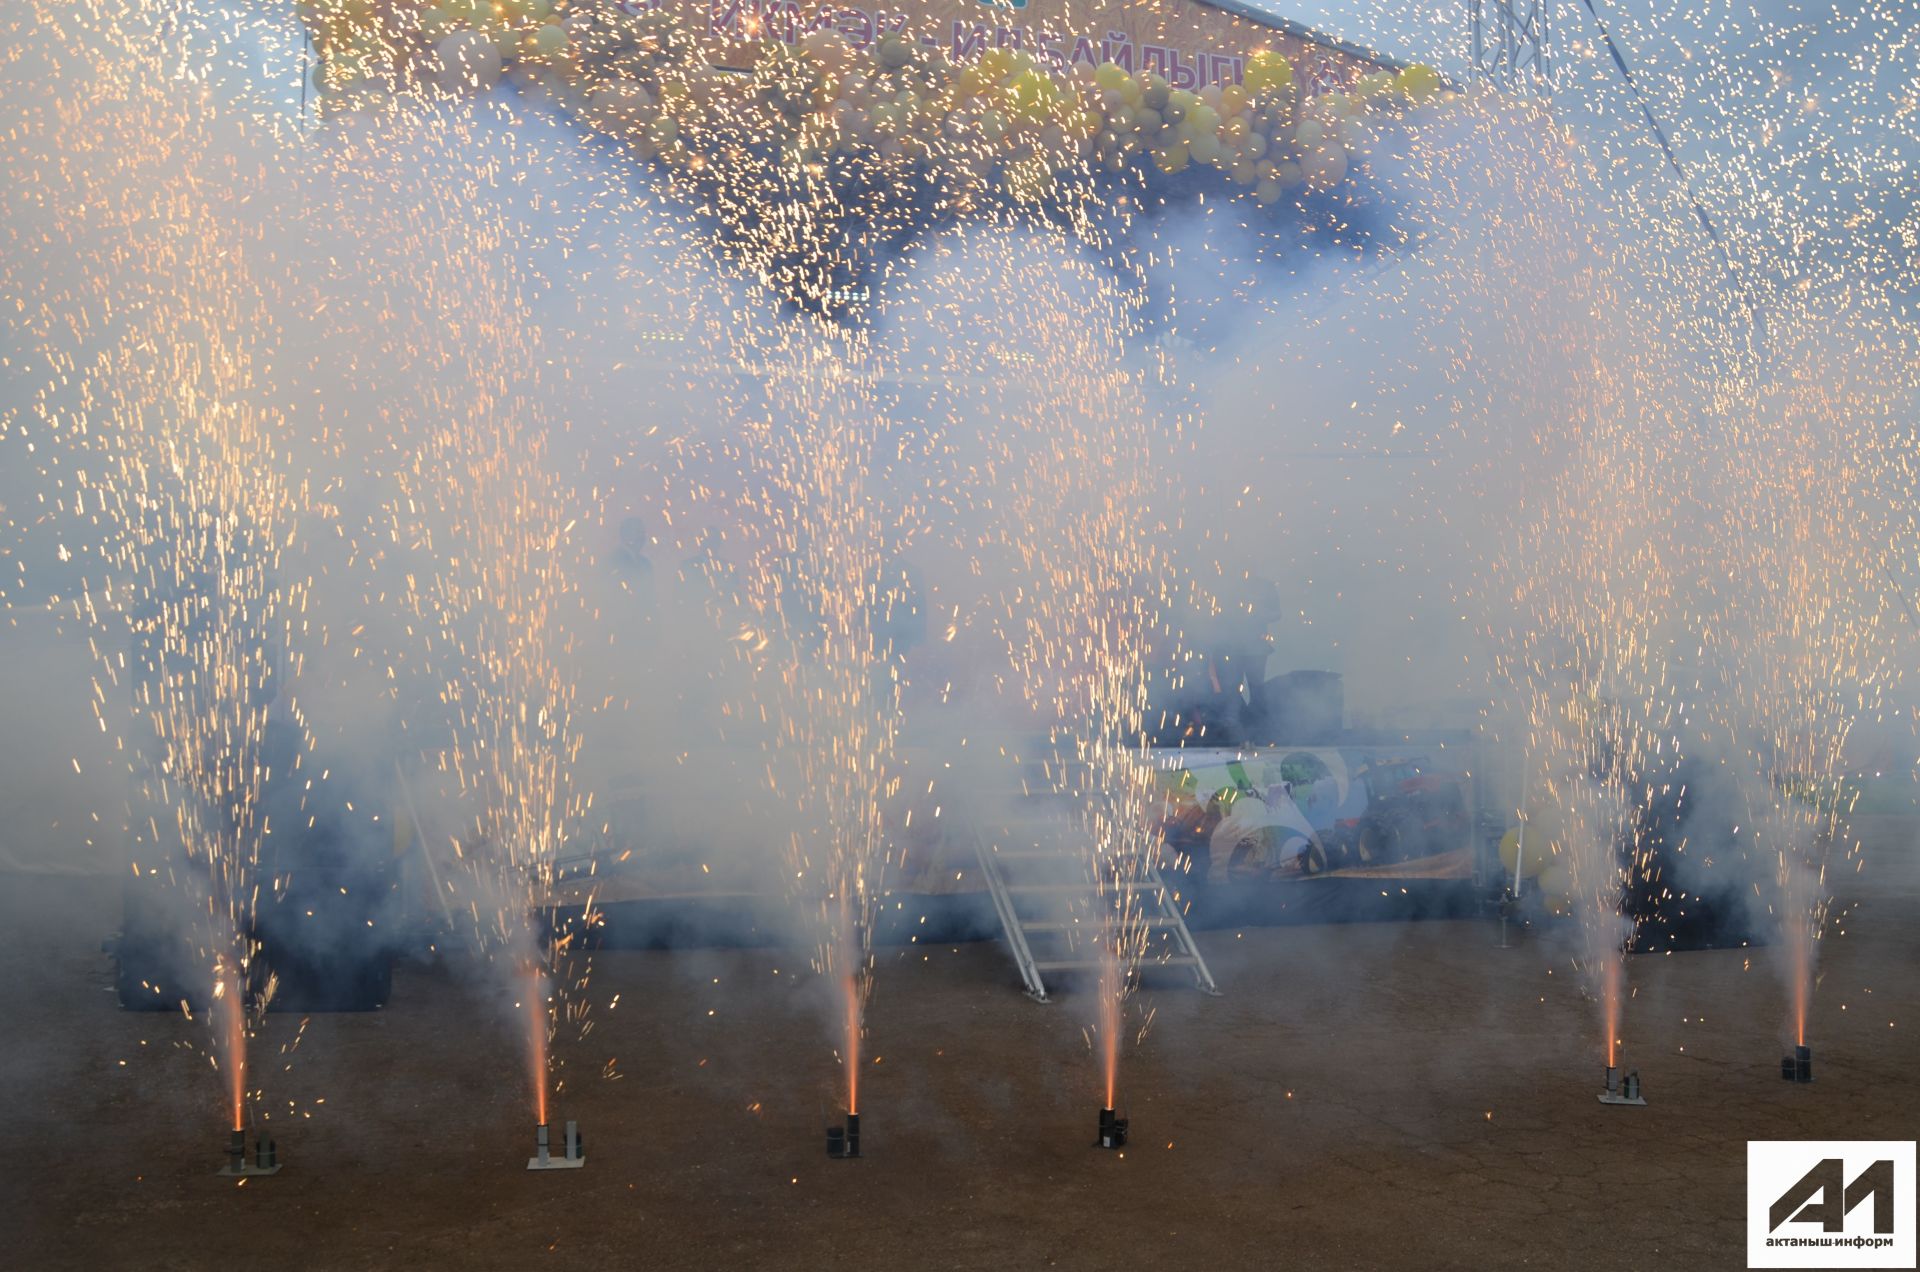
1076,964
1086,888
1051,925
1161,908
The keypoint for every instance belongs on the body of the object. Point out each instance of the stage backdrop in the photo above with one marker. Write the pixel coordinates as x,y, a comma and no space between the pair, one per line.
1192,45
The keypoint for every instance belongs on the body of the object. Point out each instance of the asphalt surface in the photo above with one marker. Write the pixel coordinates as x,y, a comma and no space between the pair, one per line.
1362,1096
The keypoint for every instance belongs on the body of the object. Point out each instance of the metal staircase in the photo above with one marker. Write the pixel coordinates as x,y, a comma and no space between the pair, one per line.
1044,898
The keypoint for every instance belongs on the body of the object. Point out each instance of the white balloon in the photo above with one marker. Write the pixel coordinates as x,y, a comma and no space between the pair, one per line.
467,60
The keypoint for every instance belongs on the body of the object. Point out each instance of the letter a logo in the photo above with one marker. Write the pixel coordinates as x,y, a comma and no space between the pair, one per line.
1830,1211
1831,1204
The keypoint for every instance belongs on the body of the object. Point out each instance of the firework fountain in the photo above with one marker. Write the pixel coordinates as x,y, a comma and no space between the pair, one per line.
1593,549
1567,653
1596,828
1817,645
474,541
500,596
813,603
185,490
1071,549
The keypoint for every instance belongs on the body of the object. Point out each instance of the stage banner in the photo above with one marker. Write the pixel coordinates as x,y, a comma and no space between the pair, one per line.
1295,813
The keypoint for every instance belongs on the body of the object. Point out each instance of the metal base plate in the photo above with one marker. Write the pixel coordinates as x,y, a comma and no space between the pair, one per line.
249,1169
556,1163
1606,1098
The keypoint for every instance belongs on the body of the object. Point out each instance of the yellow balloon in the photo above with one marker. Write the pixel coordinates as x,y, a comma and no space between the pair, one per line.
893,53
1267,71
1419,82
1555,886
545,41
1539,849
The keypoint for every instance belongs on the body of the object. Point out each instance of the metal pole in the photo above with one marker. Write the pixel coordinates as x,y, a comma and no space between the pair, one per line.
1520,841
420,843
1519,854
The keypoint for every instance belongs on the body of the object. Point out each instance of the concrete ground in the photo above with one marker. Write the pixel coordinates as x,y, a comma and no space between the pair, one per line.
1363,1096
